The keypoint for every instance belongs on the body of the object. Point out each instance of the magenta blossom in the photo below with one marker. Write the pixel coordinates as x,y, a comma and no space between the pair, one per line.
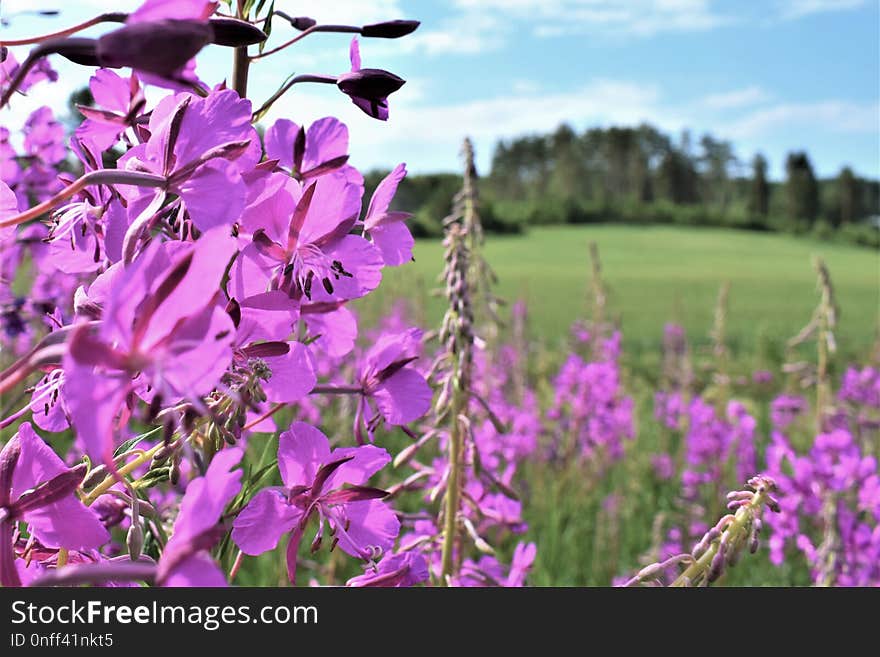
161,332
37,488
201,146
302,246
399,391
386,228
395,570
308,153
120,102
360,523
185,560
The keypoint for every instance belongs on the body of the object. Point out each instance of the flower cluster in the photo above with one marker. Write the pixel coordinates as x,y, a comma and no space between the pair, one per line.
198,285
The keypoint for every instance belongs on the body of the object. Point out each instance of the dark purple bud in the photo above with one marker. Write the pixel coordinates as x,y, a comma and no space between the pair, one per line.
78,50
390,29
302,23
369,83
160,47
369,89
4,53
235,33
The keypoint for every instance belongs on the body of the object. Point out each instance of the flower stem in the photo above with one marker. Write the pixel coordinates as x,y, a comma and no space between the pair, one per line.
110,17
101,176
453,489
128,468
240,62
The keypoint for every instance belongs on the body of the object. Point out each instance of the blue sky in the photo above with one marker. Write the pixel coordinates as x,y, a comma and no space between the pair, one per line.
769,75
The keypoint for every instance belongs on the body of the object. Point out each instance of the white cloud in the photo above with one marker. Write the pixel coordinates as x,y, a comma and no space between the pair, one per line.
737,98
429,136
548,18
792,9
839,116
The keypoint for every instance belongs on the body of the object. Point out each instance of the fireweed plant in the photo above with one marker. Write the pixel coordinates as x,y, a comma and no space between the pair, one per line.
186,385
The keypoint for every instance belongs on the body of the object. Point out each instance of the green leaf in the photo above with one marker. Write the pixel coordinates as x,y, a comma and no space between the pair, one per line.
131,443
267,25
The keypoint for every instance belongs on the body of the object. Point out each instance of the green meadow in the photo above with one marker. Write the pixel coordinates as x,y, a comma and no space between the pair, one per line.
657,274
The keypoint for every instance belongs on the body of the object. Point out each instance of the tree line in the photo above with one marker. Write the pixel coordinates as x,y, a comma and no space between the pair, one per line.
643,175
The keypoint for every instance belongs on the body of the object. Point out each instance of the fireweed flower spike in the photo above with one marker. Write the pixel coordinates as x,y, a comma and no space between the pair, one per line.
723,544
38,489
313,476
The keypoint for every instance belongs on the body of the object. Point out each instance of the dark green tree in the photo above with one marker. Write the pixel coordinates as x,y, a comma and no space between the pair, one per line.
759,192
849,199
801,189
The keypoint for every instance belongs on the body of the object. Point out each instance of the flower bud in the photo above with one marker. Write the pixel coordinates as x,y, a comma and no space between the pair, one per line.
390,29
160,47
302,23
235,33
134,540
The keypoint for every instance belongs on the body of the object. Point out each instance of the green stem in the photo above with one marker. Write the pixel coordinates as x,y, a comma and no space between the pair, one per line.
240,65
739,525
453,489
128,468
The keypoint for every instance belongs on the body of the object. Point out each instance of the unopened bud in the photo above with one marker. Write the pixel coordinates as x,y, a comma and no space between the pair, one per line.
159,47
235,33
390,29
134,540
302,23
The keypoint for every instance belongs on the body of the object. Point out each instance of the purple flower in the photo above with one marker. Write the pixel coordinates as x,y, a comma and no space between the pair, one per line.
785,409
9,68
202,146
387,229
302,246
185,560
161,332
120,101
399,392
37,488
395,570
265,321
44,136
313,476
308,153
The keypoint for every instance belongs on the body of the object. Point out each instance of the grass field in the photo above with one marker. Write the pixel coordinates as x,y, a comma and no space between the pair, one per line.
655,275
659,274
